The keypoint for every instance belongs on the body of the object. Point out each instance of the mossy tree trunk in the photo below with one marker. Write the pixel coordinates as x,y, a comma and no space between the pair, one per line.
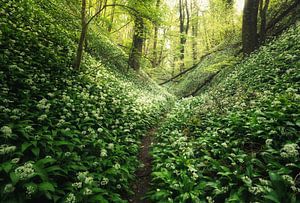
249,30
137,44
84,28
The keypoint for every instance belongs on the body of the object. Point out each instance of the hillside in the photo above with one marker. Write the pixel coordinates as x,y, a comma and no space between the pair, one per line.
83,118
239,140
65,132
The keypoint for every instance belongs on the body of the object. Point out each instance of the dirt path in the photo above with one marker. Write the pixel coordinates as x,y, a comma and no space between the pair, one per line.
143,175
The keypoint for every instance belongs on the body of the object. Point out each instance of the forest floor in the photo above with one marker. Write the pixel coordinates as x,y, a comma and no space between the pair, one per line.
143,175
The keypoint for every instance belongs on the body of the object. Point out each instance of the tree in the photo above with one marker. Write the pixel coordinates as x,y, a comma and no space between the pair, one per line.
84,28
154,59
184,19
137,44
195,26
263,8
249,27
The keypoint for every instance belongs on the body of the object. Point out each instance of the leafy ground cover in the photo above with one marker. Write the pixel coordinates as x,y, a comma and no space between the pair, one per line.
239,140
66,136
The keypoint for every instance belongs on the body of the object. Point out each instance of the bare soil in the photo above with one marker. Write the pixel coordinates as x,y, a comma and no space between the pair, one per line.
143,174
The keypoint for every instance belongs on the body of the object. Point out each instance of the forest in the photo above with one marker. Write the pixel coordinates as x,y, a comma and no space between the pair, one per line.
149,101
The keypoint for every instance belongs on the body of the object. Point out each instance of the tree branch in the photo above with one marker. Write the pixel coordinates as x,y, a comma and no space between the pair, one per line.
191,68
111,5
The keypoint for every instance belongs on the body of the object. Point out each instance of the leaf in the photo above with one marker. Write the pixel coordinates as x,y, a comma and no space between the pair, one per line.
14,178
99,198
272,198
46,186
41,163
36,151
6,166
25,146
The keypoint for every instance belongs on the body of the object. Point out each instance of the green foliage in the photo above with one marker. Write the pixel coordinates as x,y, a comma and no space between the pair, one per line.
66,136
238,141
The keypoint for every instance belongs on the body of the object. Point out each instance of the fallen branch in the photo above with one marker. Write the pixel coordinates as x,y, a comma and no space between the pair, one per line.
191,68
208,80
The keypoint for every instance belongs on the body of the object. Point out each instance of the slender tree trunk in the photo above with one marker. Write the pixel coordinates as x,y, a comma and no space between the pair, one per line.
137,44
84,28
206,38
249,30
182,37
112,16
264,4
154,59
184,18
195,24
160,58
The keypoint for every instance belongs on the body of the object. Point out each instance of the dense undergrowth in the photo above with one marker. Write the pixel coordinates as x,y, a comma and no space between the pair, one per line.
211,65
239,140
66,136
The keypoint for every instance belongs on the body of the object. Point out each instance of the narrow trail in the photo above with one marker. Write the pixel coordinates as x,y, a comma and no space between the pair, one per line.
143,175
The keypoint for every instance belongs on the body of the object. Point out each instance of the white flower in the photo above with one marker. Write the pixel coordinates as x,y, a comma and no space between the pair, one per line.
7,131
77,185
42,117
6,149
110,146
103,153
8,188
87,191
89,180
15,160
70,198
104,181
289,151
117,166
26,171
209,199
30,190
269,142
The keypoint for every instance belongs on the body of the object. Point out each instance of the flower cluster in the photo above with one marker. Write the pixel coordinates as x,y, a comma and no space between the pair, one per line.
7,149
70,198
6,131
26,171
290,151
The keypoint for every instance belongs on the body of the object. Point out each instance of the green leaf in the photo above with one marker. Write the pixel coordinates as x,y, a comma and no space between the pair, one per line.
46,186
36,151
41,163
25,146
272,198
6,166
14,178
99,198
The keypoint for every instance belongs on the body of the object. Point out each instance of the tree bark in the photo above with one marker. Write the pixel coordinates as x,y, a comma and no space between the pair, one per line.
249,30
137,44
112,16
264,4
84,28
195,25
184,18
155,38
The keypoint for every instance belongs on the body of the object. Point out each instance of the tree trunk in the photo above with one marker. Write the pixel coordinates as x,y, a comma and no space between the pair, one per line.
137,44
264,4
249,30
195,24
112,16
184,18
154,59
84,28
